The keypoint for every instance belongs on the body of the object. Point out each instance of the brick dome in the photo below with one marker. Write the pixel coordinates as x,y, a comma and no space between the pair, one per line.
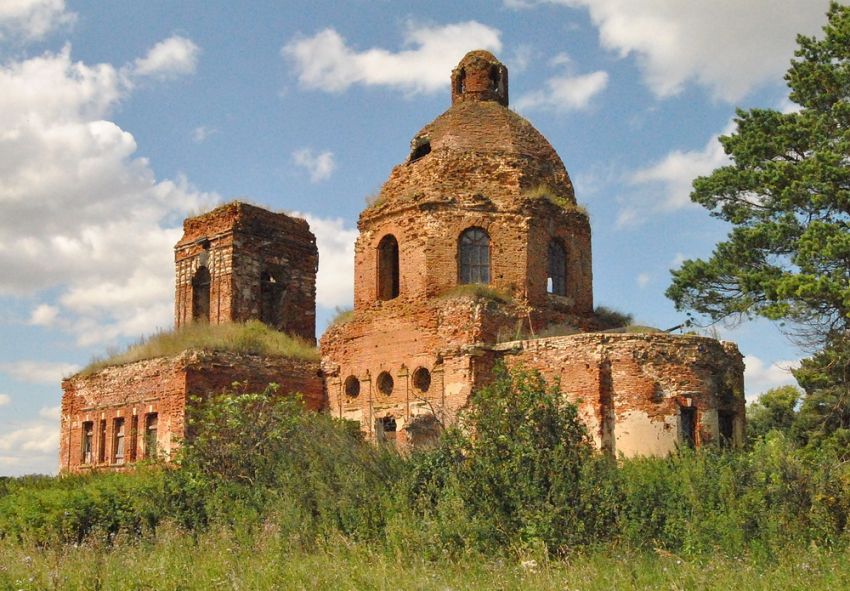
477,151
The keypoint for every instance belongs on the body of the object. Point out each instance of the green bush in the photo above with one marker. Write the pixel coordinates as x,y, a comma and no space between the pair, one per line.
520,470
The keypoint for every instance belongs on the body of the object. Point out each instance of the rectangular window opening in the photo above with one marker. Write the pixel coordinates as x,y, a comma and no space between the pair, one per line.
118,441
689,426
151,425
88,442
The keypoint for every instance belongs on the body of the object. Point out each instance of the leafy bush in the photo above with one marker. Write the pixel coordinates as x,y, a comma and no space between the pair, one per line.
610,318
520,470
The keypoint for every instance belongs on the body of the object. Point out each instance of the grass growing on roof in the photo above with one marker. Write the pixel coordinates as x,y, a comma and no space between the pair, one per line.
249,337
476,290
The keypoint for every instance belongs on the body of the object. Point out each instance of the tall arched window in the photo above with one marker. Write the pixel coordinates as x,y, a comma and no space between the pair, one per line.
388,276
271,299
474,256
557,280
201,294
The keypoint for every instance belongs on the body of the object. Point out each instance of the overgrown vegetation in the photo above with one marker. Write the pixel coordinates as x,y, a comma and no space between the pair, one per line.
546,192
249,337
517,478
341,316
477,291
610,318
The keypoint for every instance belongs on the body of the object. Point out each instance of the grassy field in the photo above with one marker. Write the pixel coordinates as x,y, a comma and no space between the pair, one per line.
223,559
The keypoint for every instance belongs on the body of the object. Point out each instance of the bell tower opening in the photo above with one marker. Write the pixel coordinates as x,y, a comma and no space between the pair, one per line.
201,295
480,77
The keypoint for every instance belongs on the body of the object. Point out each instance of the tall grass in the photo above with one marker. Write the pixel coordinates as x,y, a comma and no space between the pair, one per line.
270,495
249,337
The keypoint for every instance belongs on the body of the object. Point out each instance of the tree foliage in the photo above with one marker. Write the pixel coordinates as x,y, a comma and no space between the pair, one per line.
787,194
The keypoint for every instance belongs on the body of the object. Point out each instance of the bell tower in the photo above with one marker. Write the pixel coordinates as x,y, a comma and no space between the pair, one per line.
240,262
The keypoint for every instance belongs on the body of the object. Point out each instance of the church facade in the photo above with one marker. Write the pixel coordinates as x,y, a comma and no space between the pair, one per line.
474,253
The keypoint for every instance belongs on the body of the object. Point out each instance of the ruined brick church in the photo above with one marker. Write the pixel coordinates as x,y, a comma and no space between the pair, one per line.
473,253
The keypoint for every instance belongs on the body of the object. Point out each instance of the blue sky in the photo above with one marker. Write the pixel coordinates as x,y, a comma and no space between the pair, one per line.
118,119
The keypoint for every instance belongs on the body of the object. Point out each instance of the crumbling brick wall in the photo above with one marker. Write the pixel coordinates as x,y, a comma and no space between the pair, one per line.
161,387
632,388
262,265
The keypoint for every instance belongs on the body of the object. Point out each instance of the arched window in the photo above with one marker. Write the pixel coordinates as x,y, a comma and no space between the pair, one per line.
461,81
494,78
271,299
388,278
557,279
201,294
474,256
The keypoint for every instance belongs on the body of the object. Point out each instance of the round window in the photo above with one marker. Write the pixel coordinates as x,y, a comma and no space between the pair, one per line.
385,383
422,379
352,387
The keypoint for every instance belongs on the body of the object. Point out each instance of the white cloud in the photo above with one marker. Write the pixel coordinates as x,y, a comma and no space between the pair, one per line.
50,412
32,448
319,165
670,180
643,279
335,281
38,372
170,58
44,315
82,212
565,93
30,20
728,46
325,61
5,399
760,377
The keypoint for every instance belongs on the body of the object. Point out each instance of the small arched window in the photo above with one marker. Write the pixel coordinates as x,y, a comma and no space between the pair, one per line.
494,78
201,294
388,275
557,279
461,81
474,256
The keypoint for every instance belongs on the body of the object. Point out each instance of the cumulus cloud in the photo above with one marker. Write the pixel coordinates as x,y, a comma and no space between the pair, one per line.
82,212
728,46
565,92
170,58
44,315
760,376
38,372
31,448
5,399
326,62
31,20
320,165
670,179
335,281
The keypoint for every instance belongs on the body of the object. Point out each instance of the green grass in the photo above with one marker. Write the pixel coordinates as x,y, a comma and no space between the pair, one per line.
226,558
249,337
477,291
341,316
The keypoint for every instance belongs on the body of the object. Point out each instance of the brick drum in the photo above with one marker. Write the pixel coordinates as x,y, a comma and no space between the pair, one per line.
481,166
